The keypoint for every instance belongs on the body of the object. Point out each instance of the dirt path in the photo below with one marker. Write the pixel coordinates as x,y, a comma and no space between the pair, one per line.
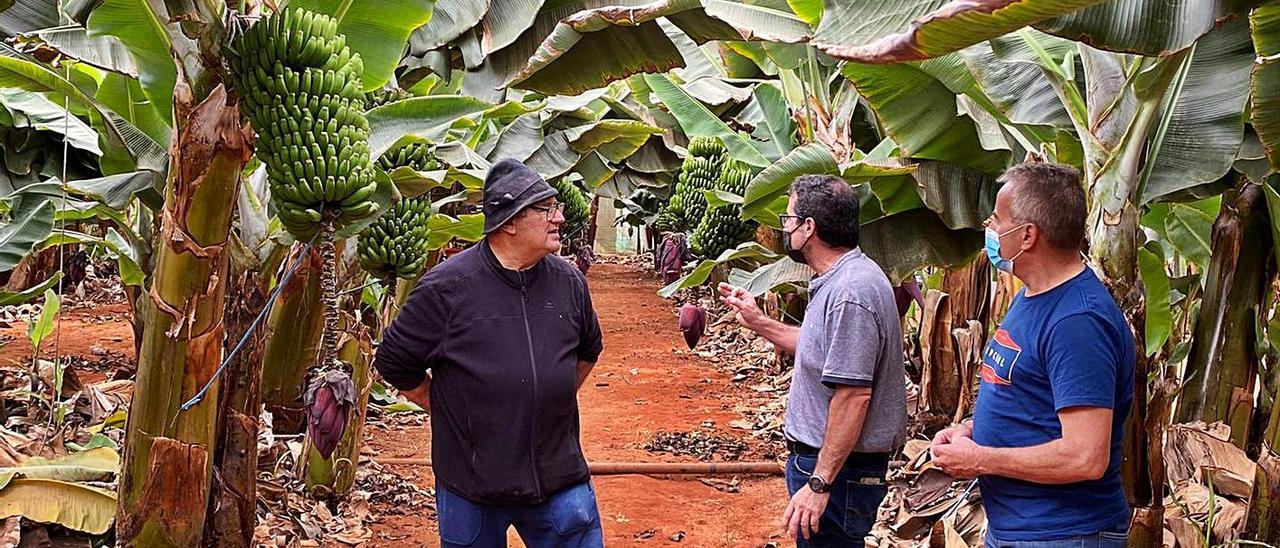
641,386
645,383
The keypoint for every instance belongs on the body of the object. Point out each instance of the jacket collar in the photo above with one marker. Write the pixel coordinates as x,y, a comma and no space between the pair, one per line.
515,279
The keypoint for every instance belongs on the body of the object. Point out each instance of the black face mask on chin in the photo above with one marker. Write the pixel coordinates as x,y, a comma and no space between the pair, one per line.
795,254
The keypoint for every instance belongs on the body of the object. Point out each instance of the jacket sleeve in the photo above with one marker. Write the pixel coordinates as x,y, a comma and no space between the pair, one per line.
591,341
413,339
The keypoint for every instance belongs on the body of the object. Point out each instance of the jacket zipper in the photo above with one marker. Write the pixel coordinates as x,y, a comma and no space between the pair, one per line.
533,366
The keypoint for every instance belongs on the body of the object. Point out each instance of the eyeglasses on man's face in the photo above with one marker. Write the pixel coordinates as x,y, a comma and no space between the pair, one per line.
549,211
783,218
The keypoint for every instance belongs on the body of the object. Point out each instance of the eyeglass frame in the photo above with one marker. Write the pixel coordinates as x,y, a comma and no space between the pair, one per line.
782,219
549,211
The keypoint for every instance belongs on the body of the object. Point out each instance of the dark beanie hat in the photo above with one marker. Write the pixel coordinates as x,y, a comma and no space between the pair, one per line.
509,188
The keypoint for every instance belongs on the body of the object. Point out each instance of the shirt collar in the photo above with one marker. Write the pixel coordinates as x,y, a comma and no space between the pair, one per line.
818,281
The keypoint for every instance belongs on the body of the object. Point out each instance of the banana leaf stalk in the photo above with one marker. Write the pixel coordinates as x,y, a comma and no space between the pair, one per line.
1222,368
294,327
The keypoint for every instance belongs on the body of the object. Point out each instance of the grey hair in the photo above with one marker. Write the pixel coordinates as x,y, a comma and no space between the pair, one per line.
1051,197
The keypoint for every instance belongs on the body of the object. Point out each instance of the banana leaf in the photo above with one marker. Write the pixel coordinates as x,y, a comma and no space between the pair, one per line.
1146,27
891,31
1265,25
376,29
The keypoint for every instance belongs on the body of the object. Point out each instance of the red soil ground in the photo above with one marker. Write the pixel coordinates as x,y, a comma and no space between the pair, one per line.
641,386
669,391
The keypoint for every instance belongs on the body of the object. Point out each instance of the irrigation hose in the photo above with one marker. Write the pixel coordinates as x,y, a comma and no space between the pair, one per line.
643,468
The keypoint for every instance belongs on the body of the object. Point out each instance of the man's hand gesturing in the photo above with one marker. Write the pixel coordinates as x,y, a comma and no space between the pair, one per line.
742,303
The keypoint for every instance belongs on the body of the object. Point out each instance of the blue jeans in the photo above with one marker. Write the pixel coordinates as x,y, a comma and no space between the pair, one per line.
1111,537
569,518
856,493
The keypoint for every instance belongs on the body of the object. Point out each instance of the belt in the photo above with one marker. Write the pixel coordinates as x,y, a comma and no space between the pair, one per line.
805,450
797,448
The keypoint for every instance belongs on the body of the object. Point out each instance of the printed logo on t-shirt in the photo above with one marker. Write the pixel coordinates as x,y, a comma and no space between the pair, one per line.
999,358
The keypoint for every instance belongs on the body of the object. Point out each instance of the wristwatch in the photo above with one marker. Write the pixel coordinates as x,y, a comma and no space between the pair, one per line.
818,485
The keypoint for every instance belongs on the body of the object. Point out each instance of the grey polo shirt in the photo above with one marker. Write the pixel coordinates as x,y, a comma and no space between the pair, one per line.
850,336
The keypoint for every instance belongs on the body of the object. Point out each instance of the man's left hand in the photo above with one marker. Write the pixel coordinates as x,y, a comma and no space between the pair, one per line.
962,458
804,512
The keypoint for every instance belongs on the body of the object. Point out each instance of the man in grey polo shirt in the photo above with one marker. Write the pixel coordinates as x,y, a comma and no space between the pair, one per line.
846,412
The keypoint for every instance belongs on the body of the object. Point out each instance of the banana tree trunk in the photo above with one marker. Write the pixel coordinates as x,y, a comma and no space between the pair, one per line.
947,376
235,485
1113,176
294,328
1222,367
165,478
592,224
1263,523
334,476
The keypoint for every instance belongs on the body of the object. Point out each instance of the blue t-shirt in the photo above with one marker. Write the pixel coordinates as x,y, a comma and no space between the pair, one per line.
1067,347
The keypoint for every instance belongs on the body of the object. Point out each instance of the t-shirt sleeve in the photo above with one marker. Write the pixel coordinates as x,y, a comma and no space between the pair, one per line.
591,340
413,339
854,342
1083,360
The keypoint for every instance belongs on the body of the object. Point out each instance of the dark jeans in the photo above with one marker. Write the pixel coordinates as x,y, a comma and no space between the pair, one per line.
856,493
568,519
1112,537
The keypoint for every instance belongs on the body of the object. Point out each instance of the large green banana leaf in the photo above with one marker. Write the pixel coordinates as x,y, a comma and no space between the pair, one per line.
919,112
104,52
697,120
764,20
1202,130
704,71
147,31
34,110
1265,24
572,46
766,196
423,117
126,148
123,95
962,197
449,20
890,31
507,20
1147,27
1009,73
518,140
30,222
28,16
906,242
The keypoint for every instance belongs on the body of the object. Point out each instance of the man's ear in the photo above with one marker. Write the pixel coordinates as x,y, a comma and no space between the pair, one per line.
509,227
1030,236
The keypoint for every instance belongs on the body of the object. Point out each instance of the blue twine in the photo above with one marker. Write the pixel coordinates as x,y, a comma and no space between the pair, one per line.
306,250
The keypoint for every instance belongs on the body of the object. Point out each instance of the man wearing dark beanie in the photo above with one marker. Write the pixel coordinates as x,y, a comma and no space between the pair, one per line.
495,342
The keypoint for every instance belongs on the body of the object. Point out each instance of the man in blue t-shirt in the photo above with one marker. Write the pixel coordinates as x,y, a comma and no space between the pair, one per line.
1057,379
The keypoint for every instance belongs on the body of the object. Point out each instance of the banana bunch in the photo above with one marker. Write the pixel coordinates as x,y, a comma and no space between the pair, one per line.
395,245
699,172
379,97
418,156
722,228
577,210
300,86
668,219
706,147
